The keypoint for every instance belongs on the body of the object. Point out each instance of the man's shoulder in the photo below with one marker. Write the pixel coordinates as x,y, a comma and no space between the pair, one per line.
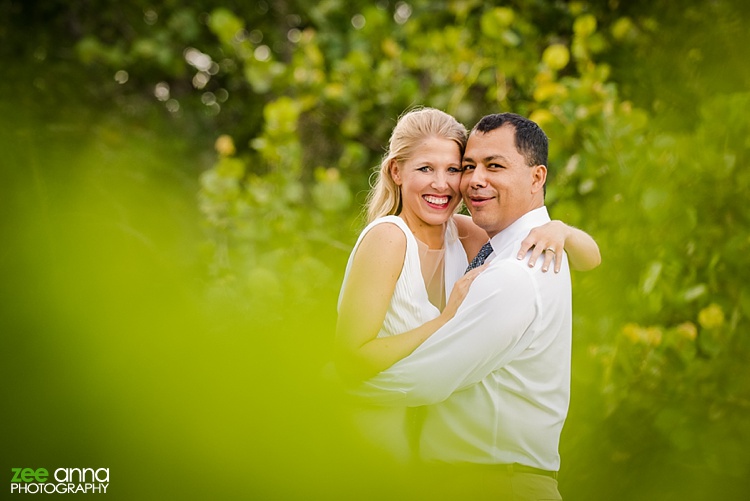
518,271
510,274
513,265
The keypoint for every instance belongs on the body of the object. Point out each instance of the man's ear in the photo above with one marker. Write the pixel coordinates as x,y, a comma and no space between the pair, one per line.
394,171
538,178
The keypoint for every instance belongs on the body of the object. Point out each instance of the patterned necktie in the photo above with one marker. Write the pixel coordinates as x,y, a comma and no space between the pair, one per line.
478,260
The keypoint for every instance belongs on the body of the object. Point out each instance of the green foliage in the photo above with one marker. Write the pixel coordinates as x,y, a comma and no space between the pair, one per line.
687,311
644,103
324,109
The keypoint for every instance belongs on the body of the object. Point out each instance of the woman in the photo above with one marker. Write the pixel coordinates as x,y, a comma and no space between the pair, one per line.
413,253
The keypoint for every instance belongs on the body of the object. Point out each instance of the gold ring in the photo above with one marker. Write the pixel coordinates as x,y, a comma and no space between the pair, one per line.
551,250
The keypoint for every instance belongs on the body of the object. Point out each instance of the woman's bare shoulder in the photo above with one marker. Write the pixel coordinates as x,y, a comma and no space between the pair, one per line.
383,241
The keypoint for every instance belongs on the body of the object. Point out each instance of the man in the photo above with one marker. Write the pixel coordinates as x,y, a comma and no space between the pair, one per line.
496,378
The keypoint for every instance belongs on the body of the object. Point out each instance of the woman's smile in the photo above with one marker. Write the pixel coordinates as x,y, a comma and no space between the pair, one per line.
437,201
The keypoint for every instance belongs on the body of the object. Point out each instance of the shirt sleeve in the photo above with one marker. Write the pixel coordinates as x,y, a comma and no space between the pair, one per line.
492,326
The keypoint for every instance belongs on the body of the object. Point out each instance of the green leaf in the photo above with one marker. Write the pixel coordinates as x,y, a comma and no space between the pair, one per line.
225,25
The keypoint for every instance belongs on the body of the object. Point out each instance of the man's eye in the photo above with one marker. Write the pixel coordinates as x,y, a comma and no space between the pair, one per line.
469,167
495,166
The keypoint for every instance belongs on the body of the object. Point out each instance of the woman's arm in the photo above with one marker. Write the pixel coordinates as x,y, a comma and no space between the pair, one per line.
583,252
377,264
472,236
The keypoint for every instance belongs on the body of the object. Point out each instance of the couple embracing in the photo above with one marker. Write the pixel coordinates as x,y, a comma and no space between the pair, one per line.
458,317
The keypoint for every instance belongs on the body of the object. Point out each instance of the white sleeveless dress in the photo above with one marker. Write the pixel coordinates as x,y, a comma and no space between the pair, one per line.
386,428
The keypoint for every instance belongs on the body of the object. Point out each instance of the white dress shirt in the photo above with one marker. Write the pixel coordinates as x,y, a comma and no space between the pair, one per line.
497,376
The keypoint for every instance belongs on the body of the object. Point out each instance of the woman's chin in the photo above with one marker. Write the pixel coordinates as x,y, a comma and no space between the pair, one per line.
438,219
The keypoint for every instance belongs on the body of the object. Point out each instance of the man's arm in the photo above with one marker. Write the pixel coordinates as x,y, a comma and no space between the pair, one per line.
492,326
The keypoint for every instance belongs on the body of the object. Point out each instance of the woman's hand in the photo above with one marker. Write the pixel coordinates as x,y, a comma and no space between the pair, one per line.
548,239
460,290
554,237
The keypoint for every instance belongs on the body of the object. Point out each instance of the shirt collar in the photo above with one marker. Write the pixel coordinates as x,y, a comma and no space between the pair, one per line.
503,243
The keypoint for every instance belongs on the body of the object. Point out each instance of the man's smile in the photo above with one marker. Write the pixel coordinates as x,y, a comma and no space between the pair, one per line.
479,200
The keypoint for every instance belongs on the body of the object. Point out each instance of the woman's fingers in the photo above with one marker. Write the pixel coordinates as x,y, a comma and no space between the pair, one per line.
548,239
461,289
549,255
535,253
469,277
558,261
476,271
528,243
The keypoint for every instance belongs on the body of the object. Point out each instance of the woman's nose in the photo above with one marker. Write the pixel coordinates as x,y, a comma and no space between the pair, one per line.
440,181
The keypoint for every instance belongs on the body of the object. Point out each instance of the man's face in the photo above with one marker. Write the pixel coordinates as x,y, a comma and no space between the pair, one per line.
497,185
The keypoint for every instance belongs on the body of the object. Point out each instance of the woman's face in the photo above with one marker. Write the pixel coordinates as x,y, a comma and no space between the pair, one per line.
430,182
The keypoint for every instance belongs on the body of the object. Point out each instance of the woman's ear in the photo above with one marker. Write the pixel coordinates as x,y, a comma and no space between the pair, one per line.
394,171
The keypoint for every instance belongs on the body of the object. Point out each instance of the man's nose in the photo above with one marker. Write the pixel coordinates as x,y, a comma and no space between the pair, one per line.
478,177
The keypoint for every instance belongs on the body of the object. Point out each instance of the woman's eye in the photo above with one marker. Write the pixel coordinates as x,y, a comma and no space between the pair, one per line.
424,168
454,169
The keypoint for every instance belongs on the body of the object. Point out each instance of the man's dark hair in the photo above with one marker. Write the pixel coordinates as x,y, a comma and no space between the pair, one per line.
531,141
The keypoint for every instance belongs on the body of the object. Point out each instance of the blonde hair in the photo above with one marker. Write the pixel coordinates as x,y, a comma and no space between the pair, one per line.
417,124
